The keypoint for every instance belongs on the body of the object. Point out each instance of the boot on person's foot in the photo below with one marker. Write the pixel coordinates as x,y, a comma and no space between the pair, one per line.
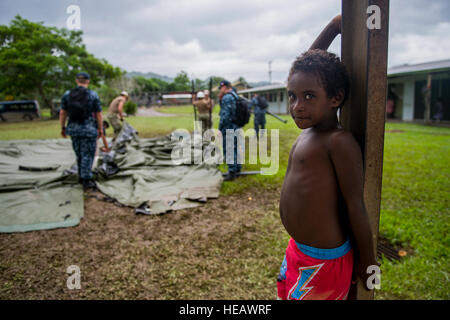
230,176
89,185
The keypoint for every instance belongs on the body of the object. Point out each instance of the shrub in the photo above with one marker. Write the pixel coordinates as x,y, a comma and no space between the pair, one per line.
130,107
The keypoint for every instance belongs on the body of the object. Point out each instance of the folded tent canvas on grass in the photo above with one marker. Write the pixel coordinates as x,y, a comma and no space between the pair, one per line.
39,189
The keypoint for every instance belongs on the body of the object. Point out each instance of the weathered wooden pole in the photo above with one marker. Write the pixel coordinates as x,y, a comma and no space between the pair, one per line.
364,51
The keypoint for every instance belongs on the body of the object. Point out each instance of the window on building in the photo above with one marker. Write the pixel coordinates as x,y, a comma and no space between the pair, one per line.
281,96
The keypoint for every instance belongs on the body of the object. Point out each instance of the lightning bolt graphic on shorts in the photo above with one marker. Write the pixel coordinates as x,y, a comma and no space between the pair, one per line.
305,275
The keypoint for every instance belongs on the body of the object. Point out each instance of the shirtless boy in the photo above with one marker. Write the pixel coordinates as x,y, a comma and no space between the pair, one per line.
321,204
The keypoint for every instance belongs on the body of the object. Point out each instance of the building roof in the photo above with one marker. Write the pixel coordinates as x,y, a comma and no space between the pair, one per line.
265,88
433,66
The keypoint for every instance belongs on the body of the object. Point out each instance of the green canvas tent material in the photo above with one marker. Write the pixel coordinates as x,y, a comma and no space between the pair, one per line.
39,189
35,193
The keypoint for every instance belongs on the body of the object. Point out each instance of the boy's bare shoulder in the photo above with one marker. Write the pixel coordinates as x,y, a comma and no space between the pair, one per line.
341,136
342,141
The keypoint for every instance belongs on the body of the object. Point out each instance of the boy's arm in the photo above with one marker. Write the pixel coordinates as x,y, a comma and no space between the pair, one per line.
328,34
347,160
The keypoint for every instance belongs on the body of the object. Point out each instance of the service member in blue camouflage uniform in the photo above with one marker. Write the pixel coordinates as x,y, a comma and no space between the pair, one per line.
84,134
259,113
228,100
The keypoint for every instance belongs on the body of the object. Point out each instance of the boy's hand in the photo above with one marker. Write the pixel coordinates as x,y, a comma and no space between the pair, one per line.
99,133
105,149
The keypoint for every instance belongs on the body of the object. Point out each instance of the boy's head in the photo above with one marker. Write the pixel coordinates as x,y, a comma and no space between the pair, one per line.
105,124
327,66
318,84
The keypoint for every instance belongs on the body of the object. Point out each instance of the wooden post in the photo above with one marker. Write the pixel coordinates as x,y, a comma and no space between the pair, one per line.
364,52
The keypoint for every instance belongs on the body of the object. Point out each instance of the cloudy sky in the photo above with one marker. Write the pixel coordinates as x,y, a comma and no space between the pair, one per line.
229,38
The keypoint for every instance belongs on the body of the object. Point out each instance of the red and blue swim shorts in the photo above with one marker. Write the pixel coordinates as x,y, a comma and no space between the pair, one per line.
309,273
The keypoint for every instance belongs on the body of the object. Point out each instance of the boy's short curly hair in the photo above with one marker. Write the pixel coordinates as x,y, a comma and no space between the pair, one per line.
328,67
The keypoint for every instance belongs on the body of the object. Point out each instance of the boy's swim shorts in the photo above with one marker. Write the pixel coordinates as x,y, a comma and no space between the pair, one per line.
309,273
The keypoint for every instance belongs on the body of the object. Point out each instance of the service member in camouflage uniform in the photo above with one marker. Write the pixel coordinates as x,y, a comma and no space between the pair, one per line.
84,134
228,98
259,113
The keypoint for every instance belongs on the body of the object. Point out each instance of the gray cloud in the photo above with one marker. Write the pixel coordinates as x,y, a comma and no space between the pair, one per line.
230,38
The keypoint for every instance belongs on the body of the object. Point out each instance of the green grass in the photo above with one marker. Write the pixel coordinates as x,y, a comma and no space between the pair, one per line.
415,211
414,207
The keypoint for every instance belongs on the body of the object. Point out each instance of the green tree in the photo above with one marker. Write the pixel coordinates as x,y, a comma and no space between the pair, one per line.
144,85
41,61
181,82
200,84
163,85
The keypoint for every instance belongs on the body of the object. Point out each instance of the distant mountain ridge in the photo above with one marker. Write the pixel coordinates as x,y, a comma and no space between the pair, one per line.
149,75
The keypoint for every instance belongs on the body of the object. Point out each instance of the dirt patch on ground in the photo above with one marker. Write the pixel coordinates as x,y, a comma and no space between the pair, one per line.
151,112
392,252
215,251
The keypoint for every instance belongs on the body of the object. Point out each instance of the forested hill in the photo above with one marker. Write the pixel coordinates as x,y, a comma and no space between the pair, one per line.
148,75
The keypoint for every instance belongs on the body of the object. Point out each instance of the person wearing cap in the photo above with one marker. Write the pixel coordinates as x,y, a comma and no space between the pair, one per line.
228,99
203,108
210,102
115,115
82,107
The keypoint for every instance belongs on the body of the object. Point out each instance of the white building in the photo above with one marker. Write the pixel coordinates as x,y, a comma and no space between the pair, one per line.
408,81
176,98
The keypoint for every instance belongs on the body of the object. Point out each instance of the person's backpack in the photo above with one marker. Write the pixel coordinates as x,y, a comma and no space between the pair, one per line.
77,105
242,115
262,102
